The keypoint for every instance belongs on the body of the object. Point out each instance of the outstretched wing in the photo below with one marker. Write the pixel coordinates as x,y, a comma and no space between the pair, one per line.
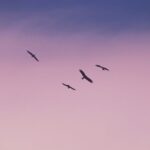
35,58
68,86
85,76
64,84
99,66
88,79
72,88
106,69
33,55
30,53
103,68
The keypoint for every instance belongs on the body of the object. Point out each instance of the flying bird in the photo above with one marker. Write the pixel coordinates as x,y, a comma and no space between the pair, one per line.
103,68
68,86
84,76
32,55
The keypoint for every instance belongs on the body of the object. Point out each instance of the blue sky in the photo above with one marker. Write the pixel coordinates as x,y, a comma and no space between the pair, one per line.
77,15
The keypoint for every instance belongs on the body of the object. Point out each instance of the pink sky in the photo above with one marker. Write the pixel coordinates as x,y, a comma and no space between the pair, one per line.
37,112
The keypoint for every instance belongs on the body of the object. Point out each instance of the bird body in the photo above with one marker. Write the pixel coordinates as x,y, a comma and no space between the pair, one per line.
68,86
32,55
84,76
103,68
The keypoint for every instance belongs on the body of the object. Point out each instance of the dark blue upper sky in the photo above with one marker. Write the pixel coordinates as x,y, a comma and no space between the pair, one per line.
25,5
121,6
79,14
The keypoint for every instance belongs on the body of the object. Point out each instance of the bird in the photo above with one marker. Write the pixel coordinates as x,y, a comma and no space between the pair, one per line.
84,76
32,55
103,68
68,86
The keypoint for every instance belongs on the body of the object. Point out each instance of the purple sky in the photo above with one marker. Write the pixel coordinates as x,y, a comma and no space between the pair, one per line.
37,112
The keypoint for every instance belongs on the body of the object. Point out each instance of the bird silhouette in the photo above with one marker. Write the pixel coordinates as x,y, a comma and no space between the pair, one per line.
68,86
84,76
103,68
32,55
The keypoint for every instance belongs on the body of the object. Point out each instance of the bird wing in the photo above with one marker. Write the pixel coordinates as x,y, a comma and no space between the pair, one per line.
29,53
32,55
64,84
83,74
106,69
88,79
68,86
72,88
35,58
99,66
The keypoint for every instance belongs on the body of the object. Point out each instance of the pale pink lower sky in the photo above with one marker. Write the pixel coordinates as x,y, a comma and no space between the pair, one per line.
37,112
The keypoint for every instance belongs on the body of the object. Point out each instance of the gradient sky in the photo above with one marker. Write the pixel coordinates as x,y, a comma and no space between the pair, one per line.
37,112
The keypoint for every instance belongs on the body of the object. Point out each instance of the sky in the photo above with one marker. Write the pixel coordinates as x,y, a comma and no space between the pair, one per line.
38,112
